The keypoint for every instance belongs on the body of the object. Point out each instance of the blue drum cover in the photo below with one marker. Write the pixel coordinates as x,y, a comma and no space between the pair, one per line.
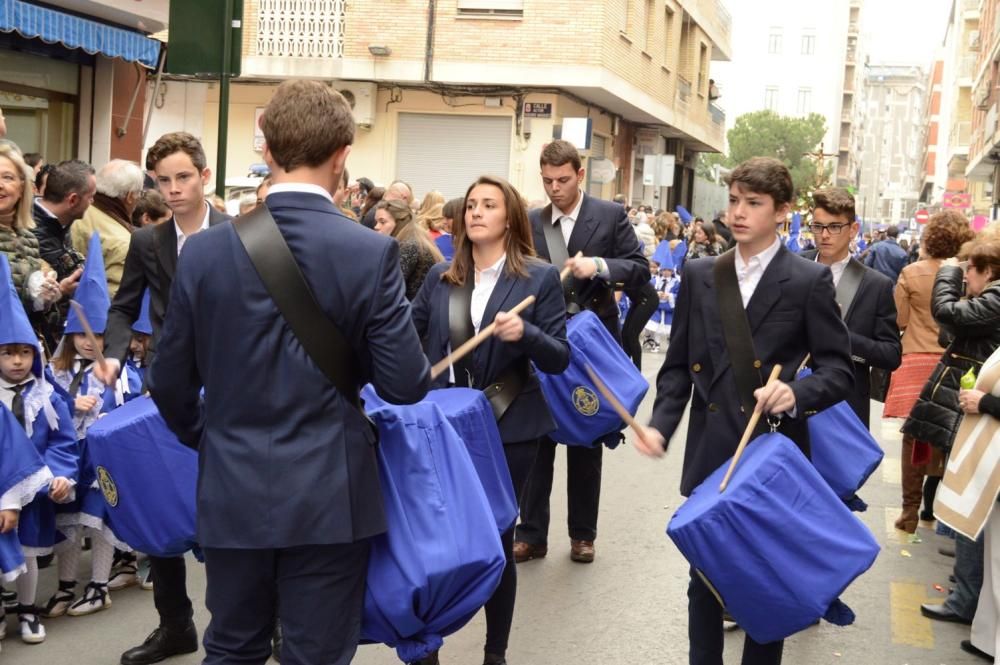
441,559
470,413
148,479
842,449
11,557
20,465
581,413
778,546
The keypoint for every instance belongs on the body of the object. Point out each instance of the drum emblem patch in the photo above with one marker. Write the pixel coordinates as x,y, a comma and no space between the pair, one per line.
108,487
585,401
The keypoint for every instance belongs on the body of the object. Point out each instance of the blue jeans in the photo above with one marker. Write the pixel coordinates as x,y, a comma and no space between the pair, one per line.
968,577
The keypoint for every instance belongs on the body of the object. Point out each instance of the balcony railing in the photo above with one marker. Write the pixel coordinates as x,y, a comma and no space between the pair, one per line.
717,114
961,133
718,17
301,28
683,92
967,67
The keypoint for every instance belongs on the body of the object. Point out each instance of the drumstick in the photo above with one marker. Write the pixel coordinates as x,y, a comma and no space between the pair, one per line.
754,417
89,332
564,273
618,407
462,351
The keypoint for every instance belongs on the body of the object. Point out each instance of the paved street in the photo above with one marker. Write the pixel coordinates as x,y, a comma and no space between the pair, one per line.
629,607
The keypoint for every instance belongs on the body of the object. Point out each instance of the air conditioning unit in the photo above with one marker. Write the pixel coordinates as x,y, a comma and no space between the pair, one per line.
983,98
361,95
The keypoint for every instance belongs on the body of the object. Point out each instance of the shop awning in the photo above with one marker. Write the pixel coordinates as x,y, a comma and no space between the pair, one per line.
55,27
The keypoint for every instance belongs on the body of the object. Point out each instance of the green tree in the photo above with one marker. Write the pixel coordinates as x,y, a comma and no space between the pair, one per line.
767,134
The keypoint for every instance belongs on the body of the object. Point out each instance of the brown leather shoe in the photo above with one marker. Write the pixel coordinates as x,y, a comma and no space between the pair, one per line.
526,551
581,551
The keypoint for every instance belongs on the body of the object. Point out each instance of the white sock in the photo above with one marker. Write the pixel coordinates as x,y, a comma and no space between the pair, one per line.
102,556
27,584
68,553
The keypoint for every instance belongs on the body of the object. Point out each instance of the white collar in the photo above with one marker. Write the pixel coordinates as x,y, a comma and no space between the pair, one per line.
204,222
558,214
764,258
41,206
4,383
300,187
839,264
495,268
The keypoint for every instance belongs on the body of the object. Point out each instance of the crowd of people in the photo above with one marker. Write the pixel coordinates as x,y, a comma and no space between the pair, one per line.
426,277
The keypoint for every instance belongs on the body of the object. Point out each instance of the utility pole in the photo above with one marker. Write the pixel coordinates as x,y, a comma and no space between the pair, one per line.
224,76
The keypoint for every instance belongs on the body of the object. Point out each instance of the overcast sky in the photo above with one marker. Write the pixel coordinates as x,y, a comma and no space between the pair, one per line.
904,31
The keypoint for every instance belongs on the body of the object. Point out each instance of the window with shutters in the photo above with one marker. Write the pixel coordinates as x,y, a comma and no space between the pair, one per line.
774,41
771,98
499,9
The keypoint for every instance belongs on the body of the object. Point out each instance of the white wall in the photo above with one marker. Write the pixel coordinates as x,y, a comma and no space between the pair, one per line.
178,106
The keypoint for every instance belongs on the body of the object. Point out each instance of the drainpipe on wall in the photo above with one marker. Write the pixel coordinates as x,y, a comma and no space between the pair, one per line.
429,52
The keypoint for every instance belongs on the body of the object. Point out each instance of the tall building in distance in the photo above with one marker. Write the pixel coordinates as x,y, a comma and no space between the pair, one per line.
797,58
893,140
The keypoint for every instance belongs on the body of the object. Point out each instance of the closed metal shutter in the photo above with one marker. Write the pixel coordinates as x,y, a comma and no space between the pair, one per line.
448,152
598,145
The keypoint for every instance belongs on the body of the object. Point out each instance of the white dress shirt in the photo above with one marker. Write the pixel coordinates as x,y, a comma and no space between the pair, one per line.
7,391
487,281
567,220
838,268
180,234
748,273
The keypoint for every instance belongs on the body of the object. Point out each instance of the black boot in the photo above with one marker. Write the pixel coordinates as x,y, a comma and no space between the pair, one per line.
161,644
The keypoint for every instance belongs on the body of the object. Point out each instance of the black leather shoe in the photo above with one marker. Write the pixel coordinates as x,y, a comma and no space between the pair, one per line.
968,647
161,644
942,613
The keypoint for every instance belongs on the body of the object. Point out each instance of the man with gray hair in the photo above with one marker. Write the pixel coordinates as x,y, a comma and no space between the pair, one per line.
119,185
396,191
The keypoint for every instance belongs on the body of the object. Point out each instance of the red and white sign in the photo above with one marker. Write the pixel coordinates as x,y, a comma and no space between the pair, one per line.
957,200
921,216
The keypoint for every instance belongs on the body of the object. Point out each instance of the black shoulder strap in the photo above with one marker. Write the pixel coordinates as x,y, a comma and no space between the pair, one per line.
558,254
460,329
736,329
847,289
287,286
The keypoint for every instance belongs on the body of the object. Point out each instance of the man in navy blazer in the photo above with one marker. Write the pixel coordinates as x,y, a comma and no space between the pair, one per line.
178,160
611,258
871,314
288,491
790,308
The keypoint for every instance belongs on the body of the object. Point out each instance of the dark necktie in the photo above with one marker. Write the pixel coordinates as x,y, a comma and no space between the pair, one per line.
17,406
74,386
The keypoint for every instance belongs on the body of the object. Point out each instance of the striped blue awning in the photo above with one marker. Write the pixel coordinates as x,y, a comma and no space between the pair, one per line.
73,32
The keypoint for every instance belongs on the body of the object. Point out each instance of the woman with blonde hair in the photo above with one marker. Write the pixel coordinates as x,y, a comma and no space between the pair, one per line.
429,215
417,253
34,280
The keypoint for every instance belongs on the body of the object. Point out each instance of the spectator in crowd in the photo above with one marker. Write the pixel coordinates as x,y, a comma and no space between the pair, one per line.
216,202
375,194
644,232
722,230
262,189
429,214
34,282
248,201
452,211
887,256
416,251
151,209
704,241
620,200
69,191
41,178
396,191
36,163
359,194
342,197
119,186
969,316
943,237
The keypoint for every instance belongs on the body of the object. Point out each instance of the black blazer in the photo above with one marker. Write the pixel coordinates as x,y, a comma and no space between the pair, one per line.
603,230
544,340
150,263
792,312
871,322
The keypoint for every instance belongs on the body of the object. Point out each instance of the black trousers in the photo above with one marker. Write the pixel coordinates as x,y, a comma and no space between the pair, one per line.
583,492
500,607
170,592
643,305
318,591
705,631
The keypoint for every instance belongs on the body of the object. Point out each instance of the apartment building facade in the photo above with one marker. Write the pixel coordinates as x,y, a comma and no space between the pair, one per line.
983,169
447,90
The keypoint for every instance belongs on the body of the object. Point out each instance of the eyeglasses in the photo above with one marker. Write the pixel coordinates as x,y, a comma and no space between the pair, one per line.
834,229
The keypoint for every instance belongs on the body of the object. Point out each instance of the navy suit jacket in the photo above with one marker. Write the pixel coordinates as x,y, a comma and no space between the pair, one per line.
792,312
602,229
544,340
285,459
871,323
